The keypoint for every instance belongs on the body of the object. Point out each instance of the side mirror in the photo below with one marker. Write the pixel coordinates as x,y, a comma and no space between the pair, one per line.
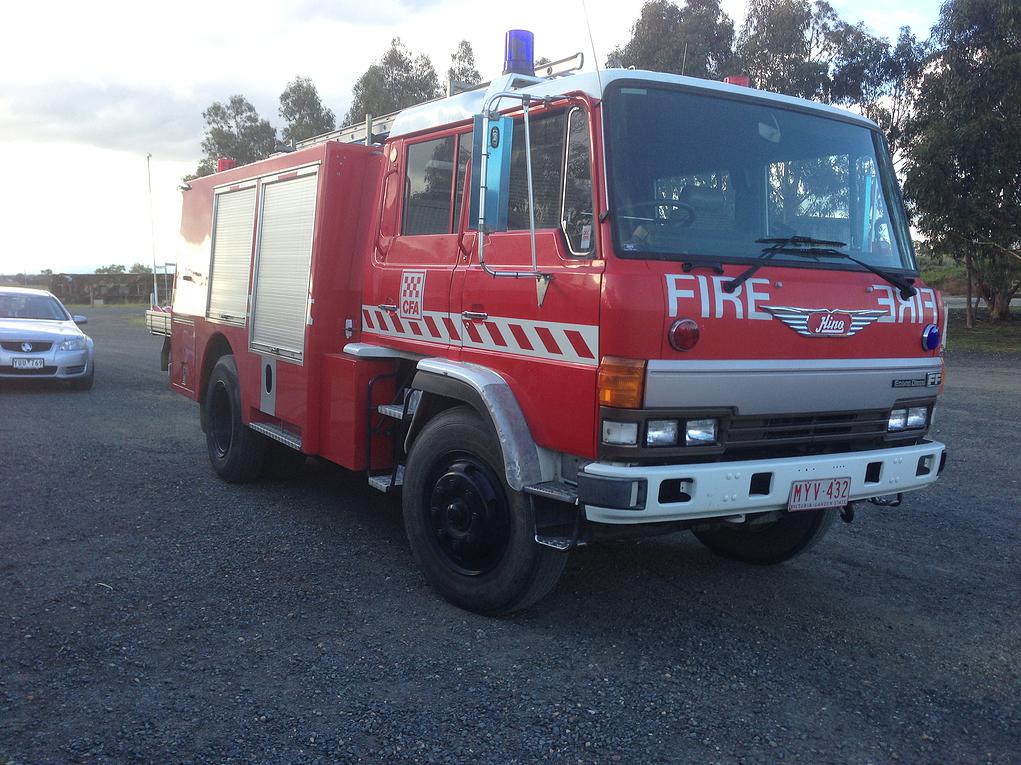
490,176
80,319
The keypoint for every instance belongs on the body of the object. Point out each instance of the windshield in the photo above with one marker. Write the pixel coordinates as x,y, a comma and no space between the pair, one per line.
14,306
696,176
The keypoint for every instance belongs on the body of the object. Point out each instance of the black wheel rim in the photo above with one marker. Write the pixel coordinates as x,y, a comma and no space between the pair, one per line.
467,511
221,421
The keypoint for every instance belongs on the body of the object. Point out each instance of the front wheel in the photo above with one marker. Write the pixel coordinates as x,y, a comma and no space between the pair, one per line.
766,542
236,452
471,535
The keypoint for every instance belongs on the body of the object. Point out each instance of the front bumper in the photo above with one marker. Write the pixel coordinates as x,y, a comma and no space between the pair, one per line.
644,494
57,365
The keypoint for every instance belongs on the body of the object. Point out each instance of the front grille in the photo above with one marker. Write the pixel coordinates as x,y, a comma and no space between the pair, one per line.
28,372
861,428
74,370
15,346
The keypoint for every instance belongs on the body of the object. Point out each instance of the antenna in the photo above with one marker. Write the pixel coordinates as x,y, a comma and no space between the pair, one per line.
592,43
152,233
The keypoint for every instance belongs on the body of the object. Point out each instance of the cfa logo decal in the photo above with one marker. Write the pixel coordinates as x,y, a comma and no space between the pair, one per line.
412,294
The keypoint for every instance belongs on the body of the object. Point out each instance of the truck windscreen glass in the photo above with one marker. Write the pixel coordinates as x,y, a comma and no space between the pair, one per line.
693,176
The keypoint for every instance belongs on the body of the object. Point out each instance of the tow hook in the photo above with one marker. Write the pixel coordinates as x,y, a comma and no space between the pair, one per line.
847,512
887,500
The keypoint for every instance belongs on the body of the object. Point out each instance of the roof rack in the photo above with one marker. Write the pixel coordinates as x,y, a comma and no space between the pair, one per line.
372,130
376,129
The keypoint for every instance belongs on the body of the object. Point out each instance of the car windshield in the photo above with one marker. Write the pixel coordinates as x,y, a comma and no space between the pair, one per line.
43,307
696,176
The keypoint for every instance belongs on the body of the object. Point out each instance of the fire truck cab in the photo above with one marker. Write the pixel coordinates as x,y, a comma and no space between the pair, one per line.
553,308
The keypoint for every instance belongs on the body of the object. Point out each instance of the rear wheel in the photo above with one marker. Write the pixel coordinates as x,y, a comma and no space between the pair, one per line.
236,451
768,541
472,536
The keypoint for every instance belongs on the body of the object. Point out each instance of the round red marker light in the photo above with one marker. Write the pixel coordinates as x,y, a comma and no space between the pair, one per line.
683,334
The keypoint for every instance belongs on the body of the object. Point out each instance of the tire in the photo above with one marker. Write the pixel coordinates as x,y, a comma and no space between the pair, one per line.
237,452
470,534
770,542
86,383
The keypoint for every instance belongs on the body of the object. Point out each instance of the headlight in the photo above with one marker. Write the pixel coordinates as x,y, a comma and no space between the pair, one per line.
700,432
620,433
73,344
914,418
918,416
661,433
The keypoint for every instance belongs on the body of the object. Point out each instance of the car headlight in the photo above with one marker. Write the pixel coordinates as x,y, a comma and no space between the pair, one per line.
918,417
914,418
73,344
661,433
700,432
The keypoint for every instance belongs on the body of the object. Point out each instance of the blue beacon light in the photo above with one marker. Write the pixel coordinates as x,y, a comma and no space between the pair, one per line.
519,52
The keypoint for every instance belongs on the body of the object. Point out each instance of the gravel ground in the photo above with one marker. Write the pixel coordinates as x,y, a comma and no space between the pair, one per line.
151,613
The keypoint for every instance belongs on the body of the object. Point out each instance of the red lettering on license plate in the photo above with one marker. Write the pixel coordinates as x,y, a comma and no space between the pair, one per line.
819,492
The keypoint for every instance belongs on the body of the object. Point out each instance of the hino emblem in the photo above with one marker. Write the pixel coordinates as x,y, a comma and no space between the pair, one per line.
823,322
26,347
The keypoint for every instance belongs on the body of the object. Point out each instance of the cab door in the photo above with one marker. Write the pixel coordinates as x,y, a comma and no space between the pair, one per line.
547,346
408,295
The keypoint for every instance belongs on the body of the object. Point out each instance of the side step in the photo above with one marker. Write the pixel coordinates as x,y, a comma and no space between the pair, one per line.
559,518
400,410
277,433
388,481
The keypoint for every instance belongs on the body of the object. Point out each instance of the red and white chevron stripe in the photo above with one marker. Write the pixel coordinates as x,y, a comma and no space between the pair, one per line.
577,343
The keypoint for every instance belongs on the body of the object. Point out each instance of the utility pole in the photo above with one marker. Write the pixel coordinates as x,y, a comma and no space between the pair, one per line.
152,233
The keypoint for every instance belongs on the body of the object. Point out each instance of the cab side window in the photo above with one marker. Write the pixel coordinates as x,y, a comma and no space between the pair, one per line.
427,187
577,219
547,139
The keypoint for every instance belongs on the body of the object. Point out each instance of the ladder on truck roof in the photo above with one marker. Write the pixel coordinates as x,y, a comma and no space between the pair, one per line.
372,130
376,129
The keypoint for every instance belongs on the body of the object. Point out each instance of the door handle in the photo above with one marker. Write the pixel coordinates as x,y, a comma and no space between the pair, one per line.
474,315
390,307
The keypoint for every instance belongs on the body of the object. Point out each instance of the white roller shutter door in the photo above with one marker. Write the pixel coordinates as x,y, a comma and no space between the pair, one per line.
232,255
280,297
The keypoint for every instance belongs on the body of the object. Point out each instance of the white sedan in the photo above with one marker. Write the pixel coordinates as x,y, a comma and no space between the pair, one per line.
39,339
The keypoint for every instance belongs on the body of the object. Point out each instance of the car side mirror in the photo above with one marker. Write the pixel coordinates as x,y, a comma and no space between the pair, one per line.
490,178
80,319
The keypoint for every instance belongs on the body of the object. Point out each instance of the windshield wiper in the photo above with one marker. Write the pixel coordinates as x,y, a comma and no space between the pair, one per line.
789,245
796,245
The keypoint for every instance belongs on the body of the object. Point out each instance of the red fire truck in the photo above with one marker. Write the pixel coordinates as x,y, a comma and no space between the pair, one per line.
559,307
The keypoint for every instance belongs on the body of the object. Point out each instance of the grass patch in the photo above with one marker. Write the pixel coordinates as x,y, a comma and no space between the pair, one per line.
986,336
948,278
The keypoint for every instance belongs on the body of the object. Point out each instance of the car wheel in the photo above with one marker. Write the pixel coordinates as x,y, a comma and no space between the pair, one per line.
236,452
86,383
768,542
471,535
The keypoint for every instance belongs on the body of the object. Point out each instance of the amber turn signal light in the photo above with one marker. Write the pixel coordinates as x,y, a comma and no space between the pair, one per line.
621,382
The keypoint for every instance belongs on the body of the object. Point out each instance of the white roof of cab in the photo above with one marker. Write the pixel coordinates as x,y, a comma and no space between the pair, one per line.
447,111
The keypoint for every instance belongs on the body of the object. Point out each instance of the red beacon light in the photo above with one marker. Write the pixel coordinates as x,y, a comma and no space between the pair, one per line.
225,163
739,79
683,334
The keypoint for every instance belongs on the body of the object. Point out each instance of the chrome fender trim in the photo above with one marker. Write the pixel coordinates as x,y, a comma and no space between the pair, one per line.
489,393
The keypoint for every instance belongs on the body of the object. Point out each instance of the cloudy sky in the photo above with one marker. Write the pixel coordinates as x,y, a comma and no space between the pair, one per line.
88,89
